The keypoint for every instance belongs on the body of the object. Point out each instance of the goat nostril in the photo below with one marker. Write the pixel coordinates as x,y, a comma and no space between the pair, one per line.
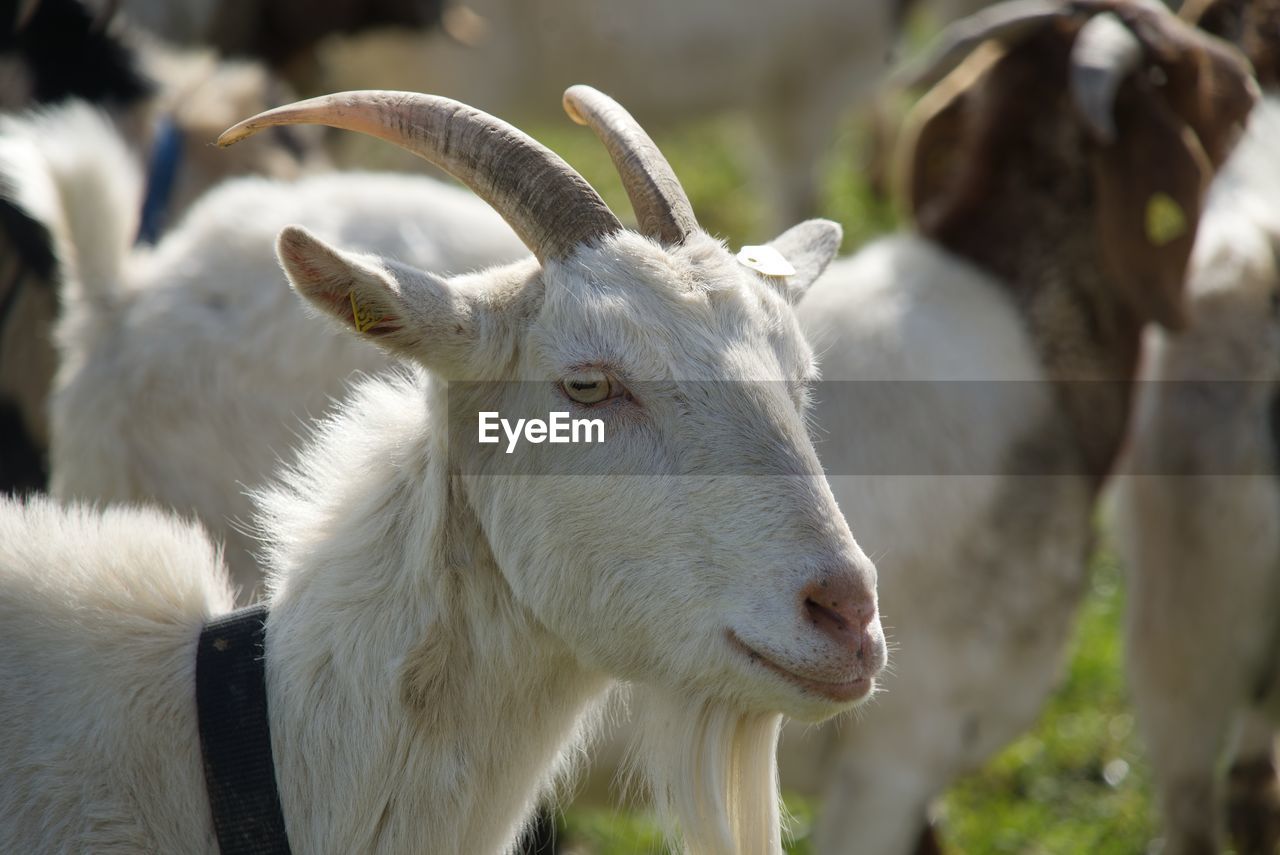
825,617
840,606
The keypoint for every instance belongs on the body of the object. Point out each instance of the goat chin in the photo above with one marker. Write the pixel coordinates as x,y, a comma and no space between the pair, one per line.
711,770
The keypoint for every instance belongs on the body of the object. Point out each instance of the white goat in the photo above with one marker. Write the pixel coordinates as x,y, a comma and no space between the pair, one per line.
990,357
187,369
1198,511
160,101
442,621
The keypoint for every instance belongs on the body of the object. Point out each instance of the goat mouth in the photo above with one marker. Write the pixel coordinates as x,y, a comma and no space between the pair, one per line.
841,691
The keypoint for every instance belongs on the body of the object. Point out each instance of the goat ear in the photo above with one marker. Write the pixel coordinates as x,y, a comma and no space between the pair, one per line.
809,247
1151,181
403,310
1208,83
1222,18
943,169
1150,185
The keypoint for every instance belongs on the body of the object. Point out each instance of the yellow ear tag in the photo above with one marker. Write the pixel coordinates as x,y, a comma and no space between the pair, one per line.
362,318
1165,220
766,260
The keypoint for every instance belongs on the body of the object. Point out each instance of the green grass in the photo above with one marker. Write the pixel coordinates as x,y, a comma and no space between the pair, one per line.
1076,784
713,165
713,172
716,172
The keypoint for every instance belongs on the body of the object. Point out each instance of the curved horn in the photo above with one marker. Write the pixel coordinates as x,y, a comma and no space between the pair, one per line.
662,208
1104,53
550,206
1007,22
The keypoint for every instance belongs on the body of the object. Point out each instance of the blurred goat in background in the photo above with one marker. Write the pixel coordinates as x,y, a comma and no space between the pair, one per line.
1198,511
1055,176
167,106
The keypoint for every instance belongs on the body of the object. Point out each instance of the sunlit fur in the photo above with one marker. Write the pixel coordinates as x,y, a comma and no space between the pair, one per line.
49,170
1198,515
99,612
442,634
711,769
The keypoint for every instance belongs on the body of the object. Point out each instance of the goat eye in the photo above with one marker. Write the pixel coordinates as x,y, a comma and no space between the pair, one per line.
590,387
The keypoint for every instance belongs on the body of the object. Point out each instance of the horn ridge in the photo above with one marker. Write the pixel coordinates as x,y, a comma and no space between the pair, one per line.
662,208
545,201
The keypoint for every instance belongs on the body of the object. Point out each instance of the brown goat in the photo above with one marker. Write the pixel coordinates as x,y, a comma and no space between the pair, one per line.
1056,174
1091,235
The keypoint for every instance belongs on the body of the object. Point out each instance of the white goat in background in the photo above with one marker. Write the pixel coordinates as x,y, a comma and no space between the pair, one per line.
995,350
1198,510
442,623
166,105
187,369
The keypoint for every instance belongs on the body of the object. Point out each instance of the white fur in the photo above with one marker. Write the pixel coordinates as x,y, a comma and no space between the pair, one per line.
80,173
70,170
89,213
98,621
442,632
1198,518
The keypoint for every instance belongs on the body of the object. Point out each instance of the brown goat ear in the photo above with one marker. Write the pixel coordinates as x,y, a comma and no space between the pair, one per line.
1176,124
1223,18
934,162
1207,82
1253,26
1150,185
939,173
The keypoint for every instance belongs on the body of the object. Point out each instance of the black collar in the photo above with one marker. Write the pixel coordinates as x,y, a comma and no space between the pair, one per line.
235,739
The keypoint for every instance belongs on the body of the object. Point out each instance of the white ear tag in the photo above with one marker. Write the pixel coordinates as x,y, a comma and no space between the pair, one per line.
766,260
